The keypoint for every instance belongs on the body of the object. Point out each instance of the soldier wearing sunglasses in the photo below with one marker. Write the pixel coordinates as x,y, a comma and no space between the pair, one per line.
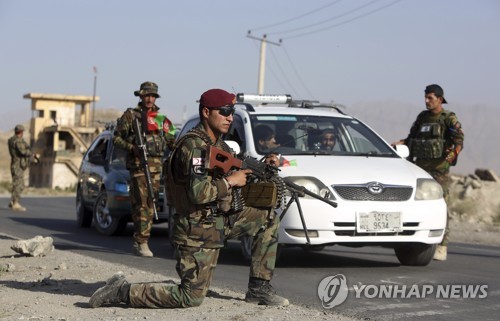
202,223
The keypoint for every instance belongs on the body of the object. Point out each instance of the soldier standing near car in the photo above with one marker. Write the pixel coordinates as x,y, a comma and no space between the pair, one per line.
159,134
435,140
203,222
20,154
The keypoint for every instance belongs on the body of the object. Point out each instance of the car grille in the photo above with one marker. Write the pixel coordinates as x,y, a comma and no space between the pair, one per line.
385,193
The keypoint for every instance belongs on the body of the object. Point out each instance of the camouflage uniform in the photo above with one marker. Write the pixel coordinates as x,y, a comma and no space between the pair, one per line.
157,141
200,231
20,154
438,167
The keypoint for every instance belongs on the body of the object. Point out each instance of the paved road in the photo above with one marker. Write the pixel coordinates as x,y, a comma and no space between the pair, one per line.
299,272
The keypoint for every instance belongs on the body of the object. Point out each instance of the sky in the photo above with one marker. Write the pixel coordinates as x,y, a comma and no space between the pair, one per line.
350,52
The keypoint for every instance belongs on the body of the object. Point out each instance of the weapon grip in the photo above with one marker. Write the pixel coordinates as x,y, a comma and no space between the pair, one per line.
219,158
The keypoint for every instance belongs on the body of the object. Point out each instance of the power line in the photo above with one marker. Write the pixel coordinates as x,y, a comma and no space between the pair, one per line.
297,17
292,88
344,22
297,73
327,20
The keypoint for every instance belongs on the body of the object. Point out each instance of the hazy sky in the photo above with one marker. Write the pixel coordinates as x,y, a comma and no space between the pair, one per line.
350,51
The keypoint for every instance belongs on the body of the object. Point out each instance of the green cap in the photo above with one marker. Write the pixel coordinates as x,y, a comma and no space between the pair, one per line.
147,88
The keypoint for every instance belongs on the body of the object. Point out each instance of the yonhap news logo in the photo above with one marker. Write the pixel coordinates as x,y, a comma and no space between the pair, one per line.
333,291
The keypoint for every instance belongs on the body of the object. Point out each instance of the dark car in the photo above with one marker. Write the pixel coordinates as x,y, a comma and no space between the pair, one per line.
102,194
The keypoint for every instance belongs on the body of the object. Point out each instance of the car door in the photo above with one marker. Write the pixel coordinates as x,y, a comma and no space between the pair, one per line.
95,167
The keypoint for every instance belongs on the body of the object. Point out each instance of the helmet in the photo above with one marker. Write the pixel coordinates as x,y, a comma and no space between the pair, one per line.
19,128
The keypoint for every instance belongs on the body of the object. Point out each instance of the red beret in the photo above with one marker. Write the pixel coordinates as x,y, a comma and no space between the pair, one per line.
214,98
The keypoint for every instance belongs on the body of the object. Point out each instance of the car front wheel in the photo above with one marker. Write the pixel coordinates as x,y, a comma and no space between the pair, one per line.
104,222
83,215
415,254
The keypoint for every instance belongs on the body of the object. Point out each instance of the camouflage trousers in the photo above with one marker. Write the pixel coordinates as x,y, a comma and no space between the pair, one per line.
17,184
142,209
443,178
196,265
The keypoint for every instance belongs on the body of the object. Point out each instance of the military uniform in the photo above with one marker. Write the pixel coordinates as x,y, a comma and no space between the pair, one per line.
20,154
204,219
200,232
433,140
159,134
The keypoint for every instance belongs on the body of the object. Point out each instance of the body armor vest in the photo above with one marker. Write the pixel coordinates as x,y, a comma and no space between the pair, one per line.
430,140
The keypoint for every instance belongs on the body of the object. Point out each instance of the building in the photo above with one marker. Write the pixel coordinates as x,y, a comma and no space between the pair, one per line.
61,129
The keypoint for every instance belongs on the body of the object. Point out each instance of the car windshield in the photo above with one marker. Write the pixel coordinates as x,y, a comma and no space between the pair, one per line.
317,135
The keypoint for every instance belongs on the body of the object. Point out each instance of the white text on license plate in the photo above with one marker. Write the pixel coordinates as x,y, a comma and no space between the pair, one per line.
379,222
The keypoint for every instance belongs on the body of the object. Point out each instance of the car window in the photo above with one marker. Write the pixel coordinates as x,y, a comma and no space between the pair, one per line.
119,157
97,152
302,134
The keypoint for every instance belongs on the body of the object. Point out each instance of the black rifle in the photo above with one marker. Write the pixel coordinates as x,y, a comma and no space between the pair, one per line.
139,141
217,158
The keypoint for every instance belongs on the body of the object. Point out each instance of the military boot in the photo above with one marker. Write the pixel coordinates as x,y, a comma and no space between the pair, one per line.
116,290
441,253
261,292
142,249
17,207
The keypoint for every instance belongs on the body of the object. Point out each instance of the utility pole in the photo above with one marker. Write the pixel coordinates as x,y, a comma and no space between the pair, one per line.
262,64
93,98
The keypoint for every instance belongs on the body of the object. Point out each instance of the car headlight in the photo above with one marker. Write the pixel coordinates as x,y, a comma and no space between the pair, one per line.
312,184
121,187
428,189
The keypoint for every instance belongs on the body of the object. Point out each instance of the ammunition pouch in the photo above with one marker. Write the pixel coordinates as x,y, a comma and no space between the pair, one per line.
430,142
260,194
427,148
155,145
24,162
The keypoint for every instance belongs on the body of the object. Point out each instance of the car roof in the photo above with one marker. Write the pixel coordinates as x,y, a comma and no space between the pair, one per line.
285,110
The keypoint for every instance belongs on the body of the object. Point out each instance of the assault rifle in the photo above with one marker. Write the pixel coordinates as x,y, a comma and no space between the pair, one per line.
139,141
217,158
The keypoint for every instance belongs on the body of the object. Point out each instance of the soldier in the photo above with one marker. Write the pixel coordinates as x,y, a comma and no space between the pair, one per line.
435,140
201,224
20,154
159,133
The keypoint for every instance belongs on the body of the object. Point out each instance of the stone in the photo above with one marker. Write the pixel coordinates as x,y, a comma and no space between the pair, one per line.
487,174
37,246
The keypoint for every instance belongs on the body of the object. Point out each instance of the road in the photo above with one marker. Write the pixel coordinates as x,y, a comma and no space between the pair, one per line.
298,272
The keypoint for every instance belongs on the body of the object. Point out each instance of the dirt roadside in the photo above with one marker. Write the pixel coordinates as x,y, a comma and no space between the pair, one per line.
58,286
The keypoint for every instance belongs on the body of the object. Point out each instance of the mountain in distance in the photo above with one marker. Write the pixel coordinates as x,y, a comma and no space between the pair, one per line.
392,120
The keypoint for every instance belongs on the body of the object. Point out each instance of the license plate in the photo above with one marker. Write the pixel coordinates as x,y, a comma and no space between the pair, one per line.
379,222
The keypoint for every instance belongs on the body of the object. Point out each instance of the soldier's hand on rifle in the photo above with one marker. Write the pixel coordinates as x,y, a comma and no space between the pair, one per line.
136,151
238,178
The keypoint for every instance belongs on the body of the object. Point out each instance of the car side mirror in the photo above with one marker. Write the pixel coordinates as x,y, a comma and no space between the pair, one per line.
234,146
403,151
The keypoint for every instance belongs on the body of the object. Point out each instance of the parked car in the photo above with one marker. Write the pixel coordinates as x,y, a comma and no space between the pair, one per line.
382,198
102,195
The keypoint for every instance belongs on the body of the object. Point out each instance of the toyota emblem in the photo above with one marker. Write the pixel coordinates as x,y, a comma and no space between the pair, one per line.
375,188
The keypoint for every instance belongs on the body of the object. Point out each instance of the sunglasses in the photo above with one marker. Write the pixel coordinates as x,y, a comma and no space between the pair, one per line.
226,110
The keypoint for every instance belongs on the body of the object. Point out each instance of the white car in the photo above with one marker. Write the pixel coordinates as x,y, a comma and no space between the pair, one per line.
382,199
